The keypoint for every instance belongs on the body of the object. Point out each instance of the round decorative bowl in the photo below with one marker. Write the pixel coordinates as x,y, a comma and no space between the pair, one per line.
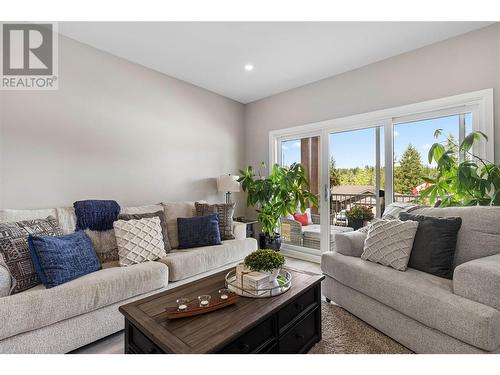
236,286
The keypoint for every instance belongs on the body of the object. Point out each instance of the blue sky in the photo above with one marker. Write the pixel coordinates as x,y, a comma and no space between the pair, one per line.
357,148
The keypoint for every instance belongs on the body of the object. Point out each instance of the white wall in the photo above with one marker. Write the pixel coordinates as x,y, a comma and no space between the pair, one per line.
462,64
115,130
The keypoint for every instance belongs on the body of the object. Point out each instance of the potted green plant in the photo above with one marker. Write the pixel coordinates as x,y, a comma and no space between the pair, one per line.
267,261
358,215
472,182
281,193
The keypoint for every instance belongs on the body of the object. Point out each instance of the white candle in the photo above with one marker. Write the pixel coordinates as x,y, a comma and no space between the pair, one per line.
223,296
182,307
204,303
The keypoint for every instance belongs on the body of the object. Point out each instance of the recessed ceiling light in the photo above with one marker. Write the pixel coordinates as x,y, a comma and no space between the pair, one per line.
248,67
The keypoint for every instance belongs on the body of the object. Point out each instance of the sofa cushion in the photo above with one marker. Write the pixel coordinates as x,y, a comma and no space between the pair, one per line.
225,213
185,263
147,209
389,242
174,210
424,297
139,240
39,307
435,243
146,215
15,251
104,243
58,260
10,215
198,231
479,235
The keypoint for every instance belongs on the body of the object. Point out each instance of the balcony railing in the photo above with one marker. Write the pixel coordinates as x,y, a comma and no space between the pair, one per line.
340,203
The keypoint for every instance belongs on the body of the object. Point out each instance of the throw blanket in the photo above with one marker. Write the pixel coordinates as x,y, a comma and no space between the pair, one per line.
96,214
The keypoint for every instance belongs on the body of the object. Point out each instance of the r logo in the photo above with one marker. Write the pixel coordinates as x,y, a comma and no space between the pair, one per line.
27,49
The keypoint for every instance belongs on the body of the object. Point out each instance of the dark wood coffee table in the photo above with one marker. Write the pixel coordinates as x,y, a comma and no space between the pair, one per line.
288,323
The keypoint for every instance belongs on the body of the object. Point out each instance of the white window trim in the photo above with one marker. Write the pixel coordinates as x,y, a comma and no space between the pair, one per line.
480,103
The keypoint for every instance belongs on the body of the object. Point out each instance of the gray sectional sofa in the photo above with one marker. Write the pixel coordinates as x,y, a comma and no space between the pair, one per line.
426,313
69,316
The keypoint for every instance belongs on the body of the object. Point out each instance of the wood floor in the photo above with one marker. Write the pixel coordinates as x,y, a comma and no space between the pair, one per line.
114,344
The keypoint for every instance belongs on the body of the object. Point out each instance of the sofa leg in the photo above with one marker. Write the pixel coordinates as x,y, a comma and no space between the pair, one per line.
328,300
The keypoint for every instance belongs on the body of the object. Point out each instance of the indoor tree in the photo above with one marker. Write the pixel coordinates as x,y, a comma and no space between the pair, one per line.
473,182
285,190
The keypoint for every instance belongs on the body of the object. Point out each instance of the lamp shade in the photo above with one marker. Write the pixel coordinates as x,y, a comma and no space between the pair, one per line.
228,183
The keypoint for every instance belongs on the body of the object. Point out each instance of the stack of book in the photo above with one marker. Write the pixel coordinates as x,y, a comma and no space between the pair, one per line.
252,282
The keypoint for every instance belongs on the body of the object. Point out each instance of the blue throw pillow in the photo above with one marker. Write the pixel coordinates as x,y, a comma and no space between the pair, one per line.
198,231
60,259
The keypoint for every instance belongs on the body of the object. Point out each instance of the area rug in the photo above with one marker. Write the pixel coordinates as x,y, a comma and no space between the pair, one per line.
343,333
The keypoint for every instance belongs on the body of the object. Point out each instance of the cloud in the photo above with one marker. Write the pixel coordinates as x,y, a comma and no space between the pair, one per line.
426,147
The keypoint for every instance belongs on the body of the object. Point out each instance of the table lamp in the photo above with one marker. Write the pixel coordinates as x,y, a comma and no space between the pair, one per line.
228,184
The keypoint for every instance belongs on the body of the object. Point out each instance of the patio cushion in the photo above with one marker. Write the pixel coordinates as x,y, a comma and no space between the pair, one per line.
313,231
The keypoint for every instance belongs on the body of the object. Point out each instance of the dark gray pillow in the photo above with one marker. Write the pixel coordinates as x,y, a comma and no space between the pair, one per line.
225,212
435,243
163,224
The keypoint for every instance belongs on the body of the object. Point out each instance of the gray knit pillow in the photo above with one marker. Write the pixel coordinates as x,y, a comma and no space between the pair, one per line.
389,242
225,213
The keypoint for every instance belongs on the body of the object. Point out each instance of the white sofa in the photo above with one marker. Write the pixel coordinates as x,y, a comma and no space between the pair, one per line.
69,316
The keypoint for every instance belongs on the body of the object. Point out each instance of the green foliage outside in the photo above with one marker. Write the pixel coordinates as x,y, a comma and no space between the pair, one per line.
264,260
360,212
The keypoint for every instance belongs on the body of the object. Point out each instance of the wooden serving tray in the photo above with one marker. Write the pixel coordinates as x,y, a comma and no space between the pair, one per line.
195,309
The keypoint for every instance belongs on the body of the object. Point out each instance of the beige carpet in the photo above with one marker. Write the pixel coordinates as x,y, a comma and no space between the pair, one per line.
343,333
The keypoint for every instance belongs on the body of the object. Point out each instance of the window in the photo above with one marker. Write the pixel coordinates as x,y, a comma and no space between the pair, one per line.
412,141
380,156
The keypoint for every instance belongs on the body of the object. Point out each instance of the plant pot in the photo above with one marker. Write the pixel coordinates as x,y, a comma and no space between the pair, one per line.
356,224
268,242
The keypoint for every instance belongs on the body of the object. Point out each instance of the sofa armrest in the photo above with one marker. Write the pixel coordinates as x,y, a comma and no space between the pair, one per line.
350,243
479,280
239,230
5,280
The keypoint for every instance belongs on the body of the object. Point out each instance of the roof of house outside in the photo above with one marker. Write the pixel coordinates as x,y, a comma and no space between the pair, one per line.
352,189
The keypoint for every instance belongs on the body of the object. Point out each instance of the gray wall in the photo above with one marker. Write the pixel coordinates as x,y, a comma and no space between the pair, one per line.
466,63
115,130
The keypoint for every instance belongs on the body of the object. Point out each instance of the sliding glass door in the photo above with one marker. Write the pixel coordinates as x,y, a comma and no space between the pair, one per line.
301,231
356,178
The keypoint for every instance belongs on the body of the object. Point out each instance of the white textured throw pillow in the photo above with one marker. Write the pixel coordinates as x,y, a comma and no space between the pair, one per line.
389,242
139,240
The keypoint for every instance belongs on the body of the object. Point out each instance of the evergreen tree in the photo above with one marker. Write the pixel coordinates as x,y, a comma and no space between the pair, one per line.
334,173
407,175
452,145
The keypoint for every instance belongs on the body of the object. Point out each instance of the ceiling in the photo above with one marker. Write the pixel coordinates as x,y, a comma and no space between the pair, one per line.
285,55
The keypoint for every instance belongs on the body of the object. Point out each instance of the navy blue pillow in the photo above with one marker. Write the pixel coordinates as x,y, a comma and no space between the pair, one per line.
60,259
198,231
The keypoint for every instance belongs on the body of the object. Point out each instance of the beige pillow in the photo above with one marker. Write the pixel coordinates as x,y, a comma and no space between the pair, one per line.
389,242
174,210
139,240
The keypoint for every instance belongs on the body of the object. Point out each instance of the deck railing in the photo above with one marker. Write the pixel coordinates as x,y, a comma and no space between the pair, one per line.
340,203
